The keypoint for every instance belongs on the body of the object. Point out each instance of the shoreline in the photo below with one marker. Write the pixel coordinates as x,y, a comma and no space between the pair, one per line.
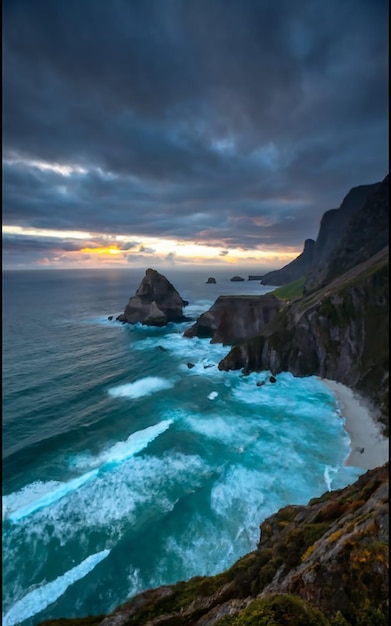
369,447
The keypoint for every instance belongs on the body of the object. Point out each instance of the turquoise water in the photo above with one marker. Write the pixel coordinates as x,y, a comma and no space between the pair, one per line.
123,468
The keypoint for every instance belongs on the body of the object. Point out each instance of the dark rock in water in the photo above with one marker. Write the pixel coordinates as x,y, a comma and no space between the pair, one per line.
211,280
162,348
110,317
121,318
236,279
273,379
155,303
235,318
190,365
260,383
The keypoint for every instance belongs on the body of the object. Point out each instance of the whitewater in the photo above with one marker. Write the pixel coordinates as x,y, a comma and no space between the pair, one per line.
129,460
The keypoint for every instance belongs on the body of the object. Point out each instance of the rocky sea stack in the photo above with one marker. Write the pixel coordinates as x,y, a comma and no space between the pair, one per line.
155,303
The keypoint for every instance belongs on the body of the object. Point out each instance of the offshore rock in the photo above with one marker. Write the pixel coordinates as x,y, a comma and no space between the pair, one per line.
235,318
211,281
236,279
155,303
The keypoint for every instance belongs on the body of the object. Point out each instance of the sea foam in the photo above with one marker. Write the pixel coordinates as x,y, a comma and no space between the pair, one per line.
140,388
38,495
122,450
49,496
40,598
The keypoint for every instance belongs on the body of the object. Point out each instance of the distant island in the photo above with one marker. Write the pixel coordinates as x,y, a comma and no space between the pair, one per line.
235,279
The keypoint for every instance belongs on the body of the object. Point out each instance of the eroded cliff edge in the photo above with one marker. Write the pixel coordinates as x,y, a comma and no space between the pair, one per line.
340,332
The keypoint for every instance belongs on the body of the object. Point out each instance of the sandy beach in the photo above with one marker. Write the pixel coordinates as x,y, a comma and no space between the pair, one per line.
369,448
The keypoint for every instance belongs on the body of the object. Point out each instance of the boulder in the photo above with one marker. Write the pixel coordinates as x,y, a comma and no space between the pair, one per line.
155,303
211,280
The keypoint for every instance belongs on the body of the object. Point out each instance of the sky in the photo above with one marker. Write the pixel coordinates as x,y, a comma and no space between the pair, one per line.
161,133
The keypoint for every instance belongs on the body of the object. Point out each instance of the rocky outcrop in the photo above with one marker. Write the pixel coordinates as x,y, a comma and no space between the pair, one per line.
336,227
339,332
364,234
338,245
294,270
324,564
235,318
155,303
211,280
236,279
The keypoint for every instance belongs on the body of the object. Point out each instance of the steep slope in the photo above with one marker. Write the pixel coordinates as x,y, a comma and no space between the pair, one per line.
366,233
329,559
337,227
342,239
339,332
295,269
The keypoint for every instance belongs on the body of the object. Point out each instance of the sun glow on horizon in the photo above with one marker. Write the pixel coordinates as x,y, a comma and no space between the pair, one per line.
98,249
104,250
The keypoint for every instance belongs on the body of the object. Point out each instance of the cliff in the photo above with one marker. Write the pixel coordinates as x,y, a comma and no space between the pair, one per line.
324,564
235,318
338,332
294,270
351,235
347,236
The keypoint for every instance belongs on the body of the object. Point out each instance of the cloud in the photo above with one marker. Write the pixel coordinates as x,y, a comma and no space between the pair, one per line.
201,121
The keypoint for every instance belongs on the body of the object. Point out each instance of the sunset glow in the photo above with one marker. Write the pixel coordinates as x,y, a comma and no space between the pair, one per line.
102,249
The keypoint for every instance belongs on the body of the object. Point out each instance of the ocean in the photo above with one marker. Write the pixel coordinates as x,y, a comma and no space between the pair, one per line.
123,468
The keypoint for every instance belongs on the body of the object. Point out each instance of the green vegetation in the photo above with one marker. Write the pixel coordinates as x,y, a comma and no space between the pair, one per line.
291,290
277,610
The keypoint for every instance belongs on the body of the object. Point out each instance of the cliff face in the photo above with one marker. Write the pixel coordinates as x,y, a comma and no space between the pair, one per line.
235,318
347,236
324,564
342,233
366,233
339,332
294,270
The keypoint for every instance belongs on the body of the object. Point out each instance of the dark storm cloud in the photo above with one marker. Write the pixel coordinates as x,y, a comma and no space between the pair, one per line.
197,119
